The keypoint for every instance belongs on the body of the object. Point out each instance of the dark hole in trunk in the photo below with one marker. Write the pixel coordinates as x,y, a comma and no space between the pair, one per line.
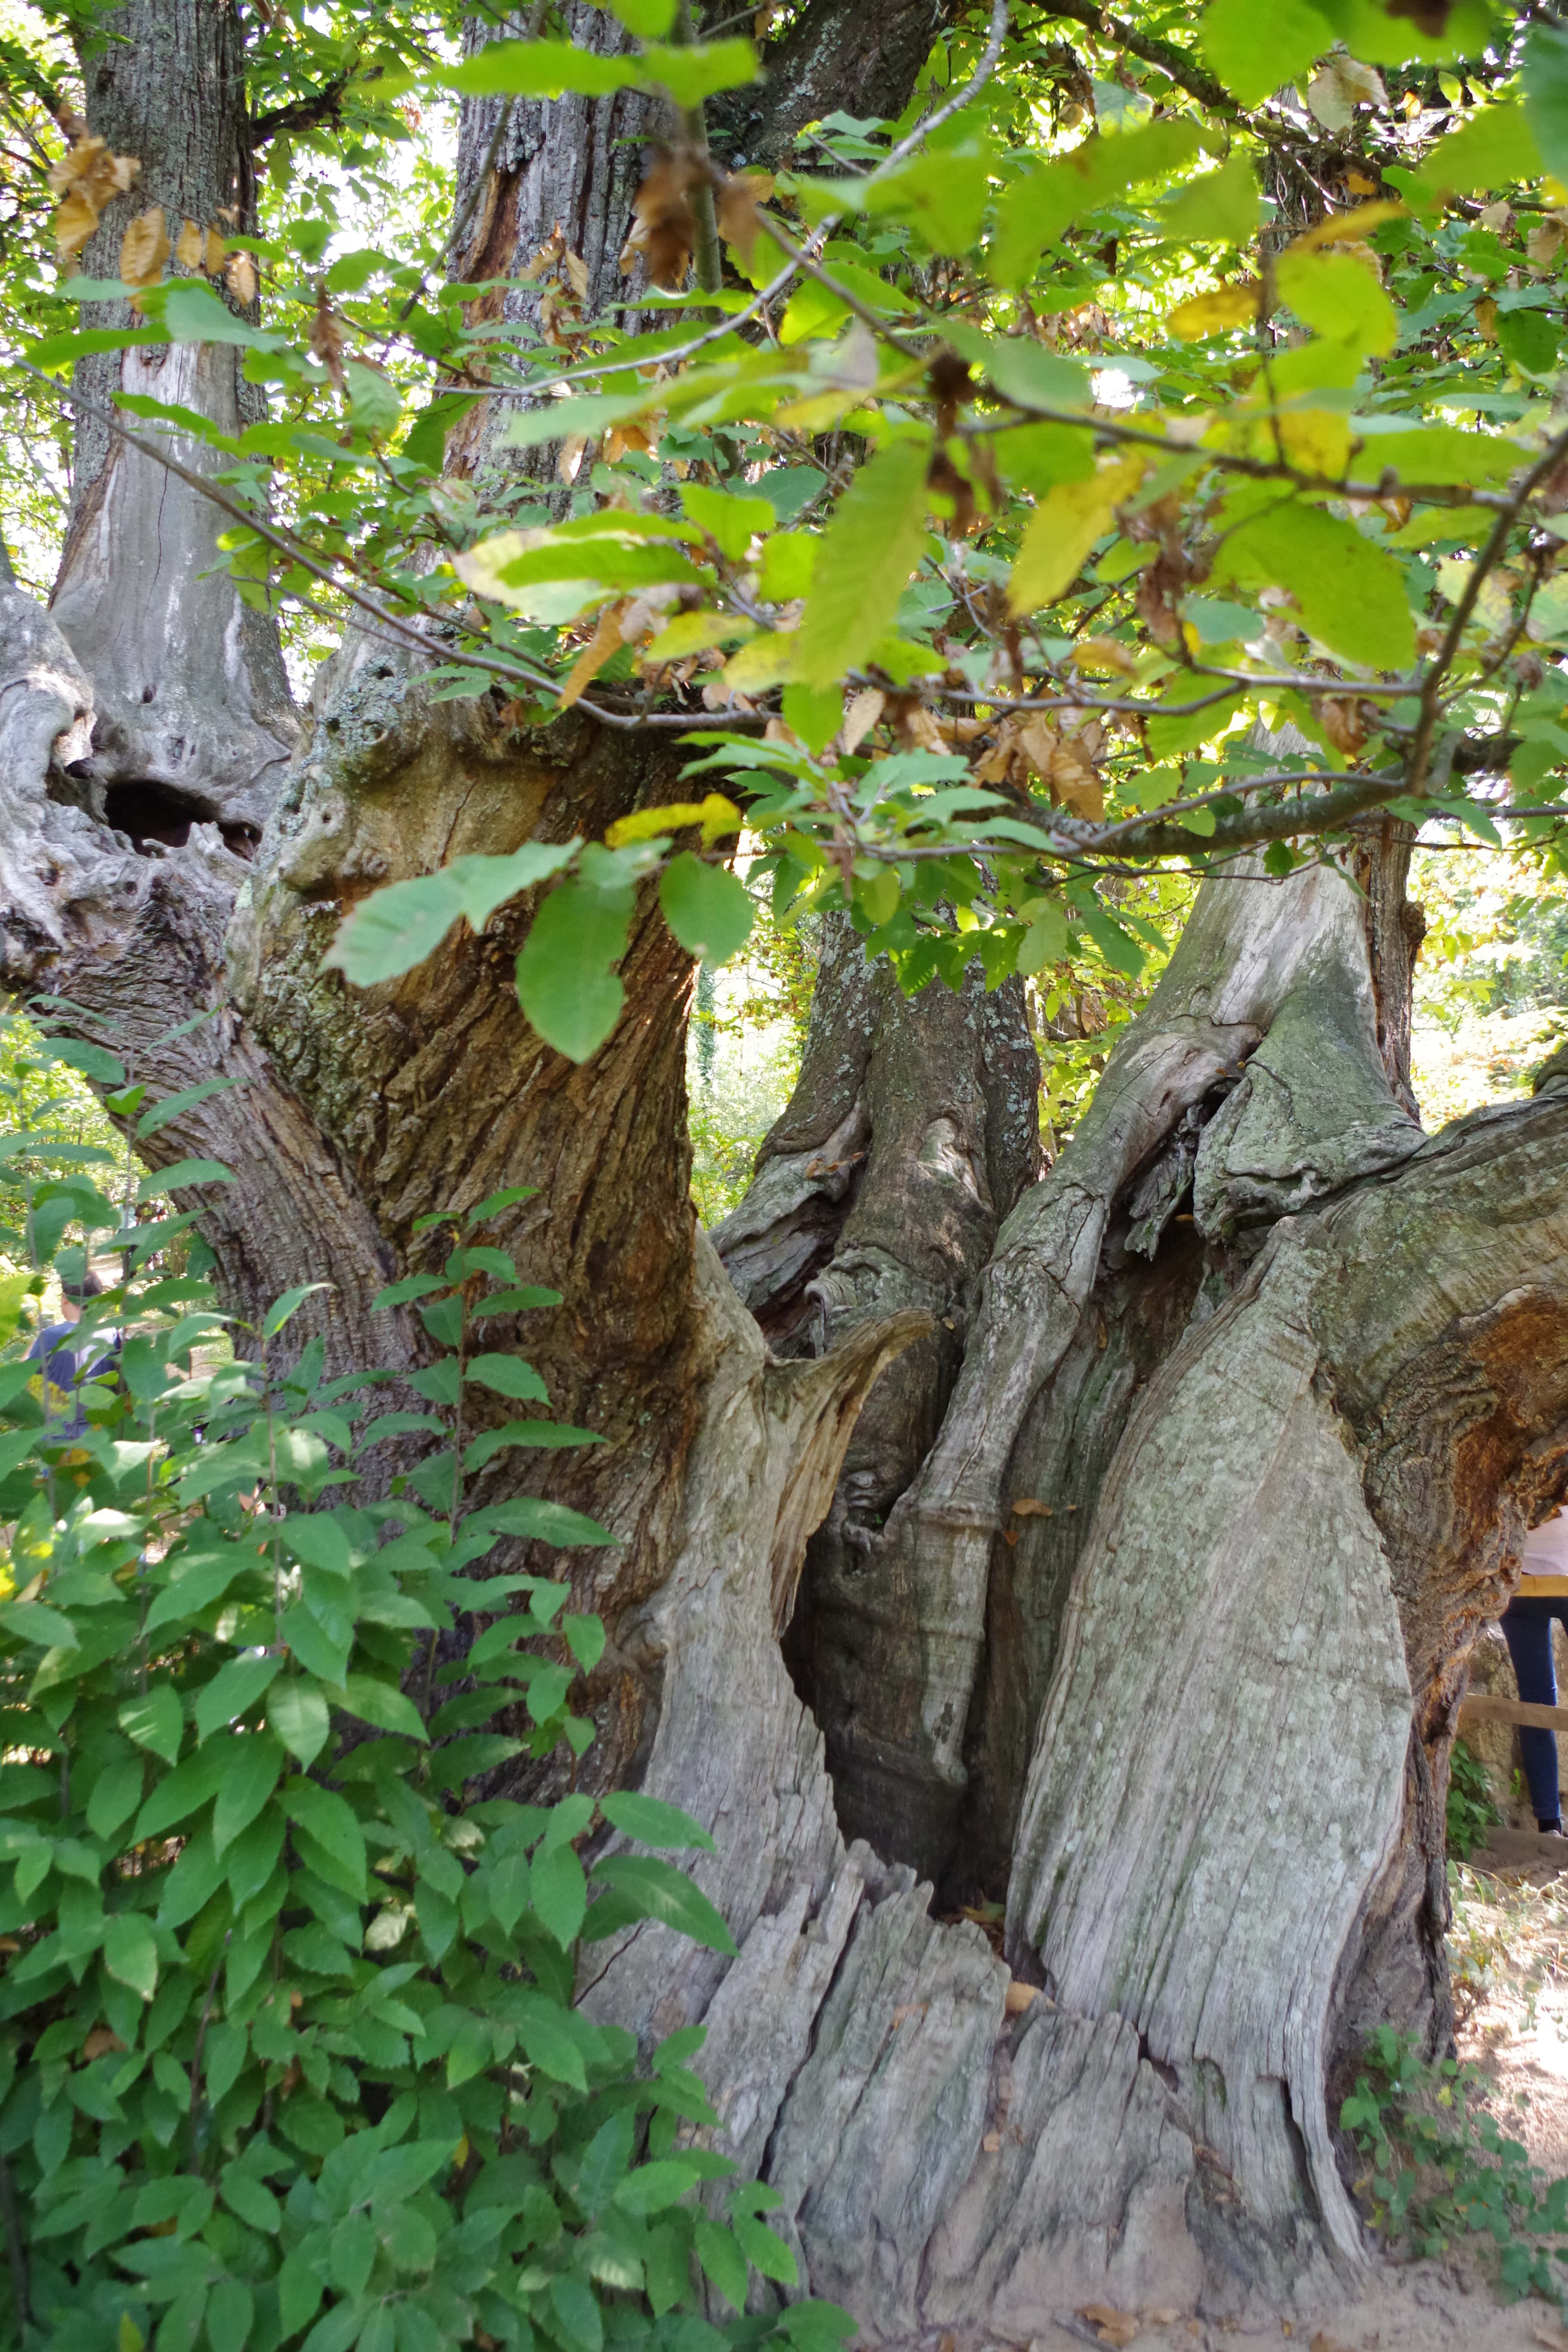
150,812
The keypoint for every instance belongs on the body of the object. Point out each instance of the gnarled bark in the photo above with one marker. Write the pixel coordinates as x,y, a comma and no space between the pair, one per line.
913,1130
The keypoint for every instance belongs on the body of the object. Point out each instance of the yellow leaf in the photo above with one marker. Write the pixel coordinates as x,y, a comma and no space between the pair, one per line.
693,633
144,247
604,641
766,661
75,220
1066,524
1347,228
240,276
216,252
1316,439
1102,656
1210,314
1486,319
714,813
189,246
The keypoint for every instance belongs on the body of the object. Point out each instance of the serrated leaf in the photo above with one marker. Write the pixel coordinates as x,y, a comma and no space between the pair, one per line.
560,1893
1349,594
656,1890
526,1432
729,520
330,1821
383,1705
288,1305
394,930
94,1062
653,2188
1494,147
1043,200
1253,50
173,1106
155,1721
764,2250
233,1689
508,1376
298,1714
720,2254
1546,95
251,1771
653,1823
585,1639
1066,524
131,1953
564,984
708,908
868,550
550,1523
164,1180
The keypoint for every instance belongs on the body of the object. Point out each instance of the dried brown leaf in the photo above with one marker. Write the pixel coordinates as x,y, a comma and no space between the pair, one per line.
215,255
240,276
992,2143
144,247
327,338
189,246
1028,1507
1111,2325
665,230
622,438
101,2043
740,224
865,709
577,273
604,641
1342,722
1020,1997
74,223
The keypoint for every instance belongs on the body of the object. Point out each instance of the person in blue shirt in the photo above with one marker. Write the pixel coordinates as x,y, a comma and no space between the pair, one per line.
66,1362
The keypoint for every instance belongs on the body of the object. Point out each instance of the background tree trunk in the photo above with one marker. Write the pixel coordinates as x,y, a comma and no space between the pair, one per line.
193,717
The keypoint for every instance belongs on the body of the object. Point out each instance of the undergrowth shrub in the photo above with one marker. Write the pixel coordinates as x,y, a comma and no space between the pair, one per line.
1471,1807
291,2055
1440,2166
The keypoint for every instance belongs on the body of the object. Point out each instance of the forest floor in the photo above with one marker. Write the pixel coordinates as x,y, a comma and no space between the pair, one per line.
1508,1950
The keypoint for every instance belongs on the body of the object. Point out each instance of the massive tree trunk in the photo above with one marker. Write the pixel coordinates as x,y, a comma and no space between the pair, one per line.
1189,1515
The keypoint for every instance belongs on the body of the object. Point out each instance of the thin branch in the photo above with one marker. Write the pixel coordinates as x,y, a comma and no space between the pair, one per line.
302,113
1490,555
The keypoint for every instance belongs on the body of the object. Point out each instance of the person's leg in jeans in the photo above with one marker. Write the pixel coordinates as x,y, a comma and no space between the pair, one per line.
1527,1629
